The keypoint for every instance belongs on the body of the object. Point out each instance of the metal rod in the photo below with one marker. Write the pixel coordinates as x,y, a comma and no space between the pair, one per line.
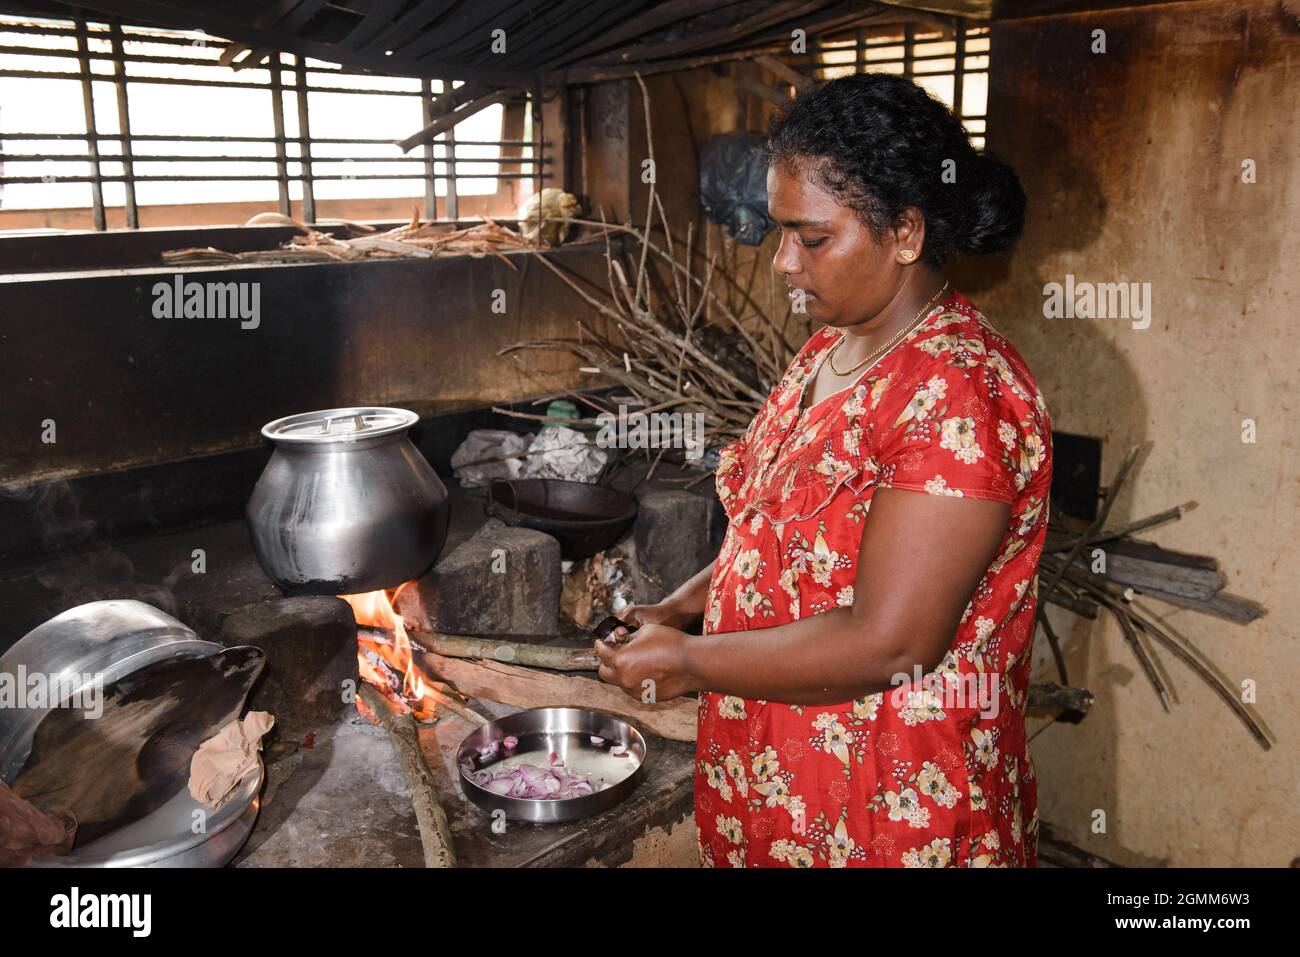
192,138
124,124
453,195
430,167
249,158
293,177
277,118
304,144
536,99
92,135
959,67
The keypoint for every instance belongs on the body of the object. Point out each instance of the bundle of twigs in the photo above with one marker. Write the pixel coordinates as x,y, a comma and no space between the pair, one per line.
1068,580
687,334
415,239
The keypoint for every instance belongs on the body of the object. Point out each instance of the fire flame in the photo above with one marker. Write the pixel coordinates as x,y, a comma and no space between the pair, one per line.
375,610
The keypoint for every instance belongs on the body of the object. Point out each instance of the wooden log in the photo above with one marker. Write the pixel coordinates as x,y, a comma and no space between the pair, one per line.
1050,695
430,819
367,635
1146,565
1230,607
533,688
510,652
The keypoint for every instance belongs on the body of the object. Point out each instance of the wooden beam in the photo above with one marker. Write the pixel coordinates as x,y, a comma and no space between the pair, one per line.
782,70
763,91
449,120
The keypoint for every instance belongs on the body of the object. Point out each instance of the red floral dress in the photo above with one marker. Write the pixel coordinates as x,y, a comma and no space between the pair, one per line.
934,773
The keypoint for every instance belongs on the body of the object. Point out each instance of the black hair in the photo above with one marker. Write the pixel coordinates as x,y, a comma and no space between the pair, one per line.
879,143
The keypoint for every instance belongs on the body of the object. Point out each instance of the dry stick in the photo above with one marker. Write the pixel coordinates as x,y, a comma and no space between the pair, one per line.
660,331
1150,629
1123,619
654,175
668,242
1055,644
435,834
1112,493
1110,534
713,297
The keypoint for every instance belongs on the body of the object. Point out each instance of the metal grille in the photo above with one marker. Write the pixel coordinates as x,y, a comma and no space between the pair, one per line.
951,60
127,135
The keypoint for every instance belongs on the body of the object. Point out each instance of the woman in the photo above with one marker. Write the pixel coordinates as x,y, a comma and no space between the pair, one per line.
888,506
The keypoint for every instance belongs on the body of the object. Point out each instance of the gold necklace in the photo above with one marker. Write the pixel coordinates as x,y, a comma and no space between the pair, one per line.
830,359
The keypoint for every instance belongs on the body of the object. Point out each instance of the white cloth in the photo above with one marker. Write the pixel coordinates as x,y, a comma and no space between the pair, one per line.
483,456
563,453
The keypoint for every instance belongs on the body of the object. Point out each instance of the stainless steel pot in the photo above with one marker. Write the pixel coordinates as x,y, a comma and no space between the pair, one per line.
103,640
347,503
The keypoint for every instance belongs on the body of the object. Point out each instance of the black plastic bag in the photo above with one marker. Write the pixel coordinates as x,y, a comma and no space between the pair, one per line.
733,185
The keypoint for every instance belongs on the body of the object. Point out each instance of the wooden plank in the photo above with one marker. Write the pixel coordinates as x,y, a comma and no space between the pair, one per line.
532,688
379,19
720,36
1143,573
410,25
661,15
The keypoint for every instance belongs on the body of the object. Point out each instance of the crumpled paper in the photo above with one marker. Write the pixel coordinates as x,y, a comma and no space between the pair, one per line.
563,453
223,760
483,456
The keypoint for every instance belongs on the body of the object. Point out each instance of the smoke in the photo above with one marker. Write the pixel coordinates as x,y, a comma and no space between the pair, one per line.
77,563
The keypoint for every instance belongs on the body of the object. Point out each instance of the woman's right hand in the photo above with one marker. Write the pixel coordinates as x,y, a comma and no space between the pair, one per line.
660,613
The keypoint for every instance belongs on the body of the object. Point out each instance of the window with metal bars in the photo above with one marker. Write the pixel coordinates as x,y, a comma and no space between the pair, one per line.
99,121
950,59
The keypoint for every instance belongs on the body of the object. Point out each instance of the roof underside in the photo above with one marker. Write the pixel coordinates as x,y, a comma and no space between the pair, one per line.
545,40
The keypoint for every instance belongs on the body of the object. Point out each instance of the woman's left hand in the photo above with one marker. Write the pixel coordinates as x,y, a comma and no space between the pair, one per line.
652,666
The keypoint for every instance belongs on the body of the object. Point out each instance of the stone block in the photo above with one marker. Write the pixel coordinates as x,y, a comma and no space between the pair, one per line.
502,581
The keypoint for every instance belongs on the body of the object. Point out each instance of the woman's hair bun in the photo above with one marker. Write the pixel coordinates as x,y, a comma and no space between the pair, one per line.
995,206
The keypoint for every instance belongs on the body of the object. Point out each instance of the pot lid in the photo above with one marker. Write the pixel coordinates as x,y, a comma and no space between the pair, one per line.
331,426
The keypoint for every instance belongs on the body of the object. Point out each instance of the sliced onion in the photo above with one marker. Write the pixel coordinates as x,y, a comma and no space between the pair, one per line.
535,782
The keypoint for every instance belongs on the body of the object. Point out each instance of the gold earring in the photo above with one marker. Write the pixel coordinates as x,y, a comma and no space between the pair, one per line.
906,255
